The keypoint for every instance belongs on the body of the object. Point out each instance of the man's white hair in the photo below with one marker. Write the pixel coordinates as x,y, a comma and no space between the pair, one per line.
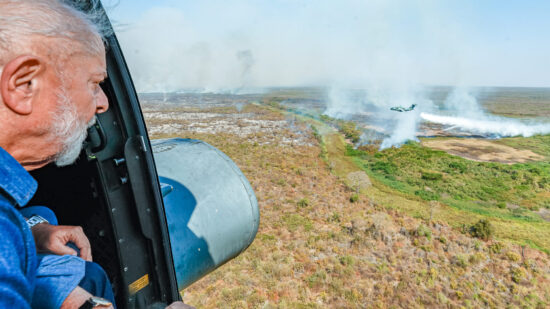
27,25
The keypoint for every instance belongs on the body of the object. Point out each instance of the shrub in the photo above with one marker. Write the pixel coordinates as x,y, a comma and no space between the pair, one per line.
461,167
518,274
303,202
477,245
349,129
294,221
427,195
431,176
316,134
495,247
334,218
275,104
461,260
423,230
483,229
326,118
267,238
512,256
317,279
347,260
385,167
476,258
353,152
354,198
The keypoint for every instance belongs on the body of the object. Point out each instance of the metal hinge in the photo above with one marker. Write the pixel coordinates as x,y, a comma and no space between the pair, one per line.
142,142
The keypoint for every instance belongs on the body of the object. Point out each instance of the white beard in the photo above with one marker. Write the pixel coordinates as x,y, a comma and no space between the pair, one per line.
69,129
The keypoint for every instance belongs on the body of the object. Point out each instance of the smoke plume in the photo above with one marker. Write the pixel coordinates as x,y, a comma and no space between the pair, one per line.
460,113
371,108
222,45
489,126
463,113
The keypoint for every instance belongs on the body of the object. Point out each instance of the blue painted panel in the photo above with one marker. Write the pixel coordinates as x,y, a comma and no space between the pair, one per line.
211,209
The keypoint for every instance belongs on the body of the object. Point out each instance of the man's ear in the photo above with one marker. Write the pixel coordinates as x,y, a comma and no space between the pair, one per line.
18,83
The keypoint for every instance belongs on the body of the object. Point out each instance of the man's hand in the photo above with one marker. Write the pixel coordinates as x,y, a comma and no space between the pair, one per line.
54,239
77,298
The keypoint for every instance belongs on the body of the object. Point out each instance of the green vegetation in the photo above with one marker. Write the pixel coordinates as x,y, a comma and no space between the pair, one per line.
482,187
295,221
423,231
482,229
303,202
518,274
495,248
508,196
348,128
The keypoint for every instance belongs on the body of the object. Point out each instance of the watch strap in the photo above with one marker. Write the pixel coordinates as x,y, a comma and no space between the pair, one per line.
96,302
34,220
87,305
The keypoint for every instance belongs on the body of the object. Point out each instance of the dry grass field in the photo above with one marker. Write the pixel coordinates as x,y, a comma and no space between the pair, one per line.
483,150
325,242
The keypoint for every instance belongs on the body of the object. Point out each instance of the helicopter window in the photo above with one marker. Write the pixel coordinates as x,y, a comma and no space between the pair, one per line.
200,186
445,103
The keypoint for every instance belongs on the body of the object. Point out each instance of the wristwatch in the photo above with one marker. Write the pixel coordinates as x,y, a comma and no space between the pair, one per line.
96,302
34,220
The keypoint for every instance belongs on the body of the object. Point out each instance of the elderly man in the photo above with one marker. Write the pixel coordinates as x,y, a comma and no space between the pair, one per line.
52,60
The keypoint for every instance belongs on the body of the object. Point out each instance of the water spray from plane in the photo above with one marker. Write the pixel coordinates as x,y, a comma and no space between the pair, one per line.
489,126
398,116
392,112
463,113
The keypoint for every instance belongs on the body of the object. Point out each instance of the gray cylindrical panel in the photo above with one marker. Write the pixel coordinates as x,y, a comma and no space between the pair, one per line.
211,209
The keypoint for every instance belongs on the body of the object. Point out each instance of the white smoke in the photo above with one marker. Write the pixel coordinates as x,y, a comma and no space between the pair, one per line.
405,130
462,102
492,126
371,107
174,45
388,48
462,112
342,104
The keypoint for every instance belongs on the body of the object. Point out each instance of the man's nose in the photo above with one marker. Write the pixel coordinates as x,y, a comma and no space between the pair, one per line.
102,104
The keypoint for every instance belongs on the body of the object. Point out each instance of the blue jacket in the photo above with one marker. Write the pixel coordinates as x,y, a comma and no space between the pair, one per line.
17,249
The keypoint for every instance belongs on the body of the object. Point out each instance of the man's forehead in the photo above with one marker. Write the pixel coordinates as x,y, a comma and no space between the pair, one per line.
95,64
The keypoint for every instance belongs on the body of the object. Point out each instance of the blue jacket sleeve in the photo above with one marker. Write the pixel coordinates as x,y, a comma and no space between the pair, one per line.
17,259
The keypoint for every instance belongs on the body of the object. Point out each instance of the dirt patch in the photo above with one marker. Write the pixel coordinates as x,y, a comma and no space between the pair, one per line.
544,214
359,180
482,150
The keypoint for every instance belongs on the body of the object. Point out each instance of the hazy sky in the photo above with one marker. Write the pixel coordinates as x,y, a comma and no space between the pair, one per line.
171,45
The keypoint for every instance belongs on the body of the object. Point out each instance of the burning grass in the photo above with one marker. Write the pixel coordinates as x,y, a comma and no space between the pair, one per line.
316,248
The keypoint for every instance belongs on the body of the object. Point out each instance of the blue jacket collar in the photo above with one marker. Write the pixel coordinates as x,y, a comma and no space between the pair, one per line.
15,181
